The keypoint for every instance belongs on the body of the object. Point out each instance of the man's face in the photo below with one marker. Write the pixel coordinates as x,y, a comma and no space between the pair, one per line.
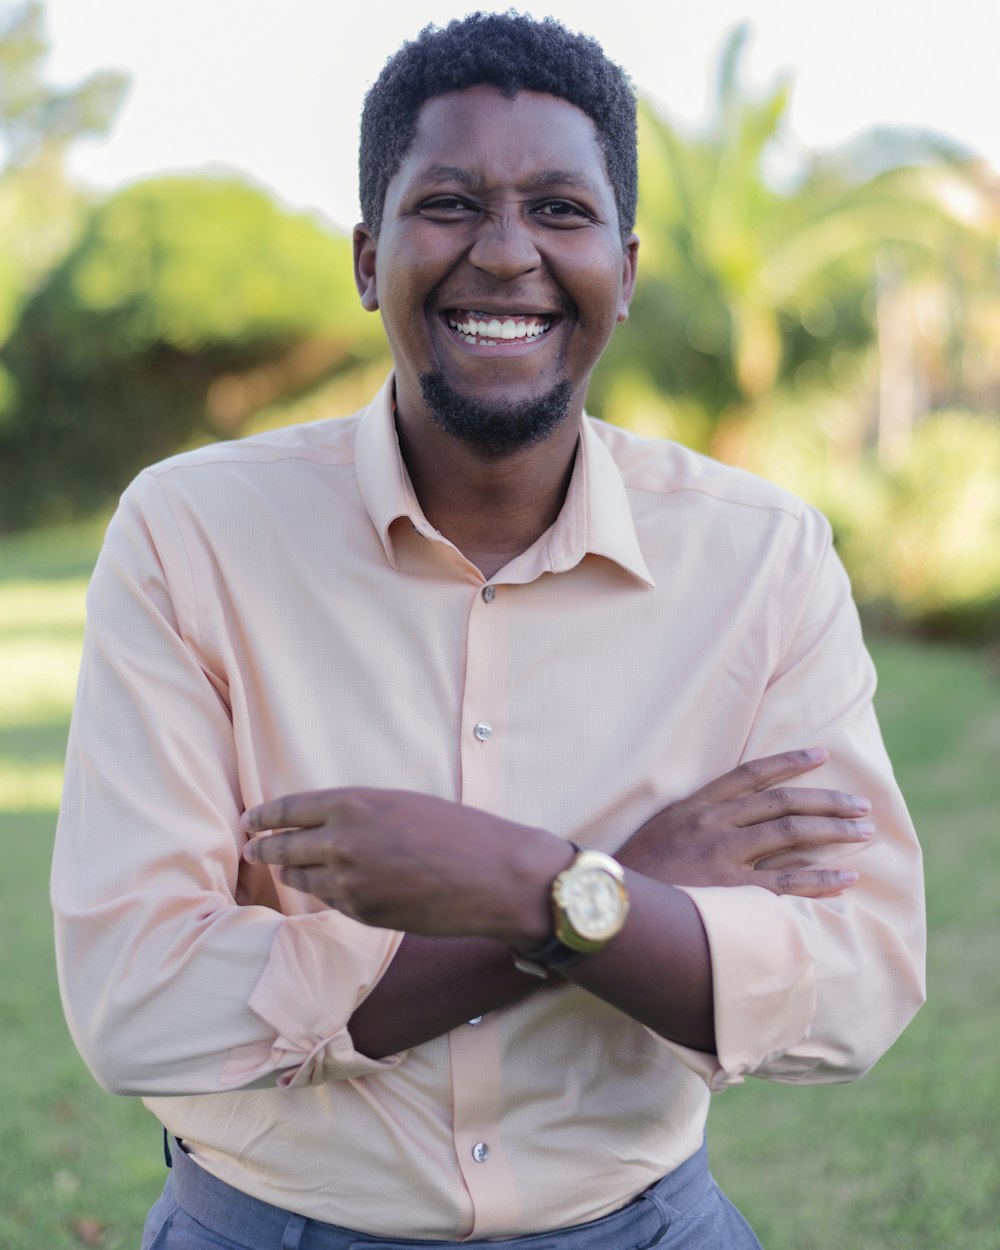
499,269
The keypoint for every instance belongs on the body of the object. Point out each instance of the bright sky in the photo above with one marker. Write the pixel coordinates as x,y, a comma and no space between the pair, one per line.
274,87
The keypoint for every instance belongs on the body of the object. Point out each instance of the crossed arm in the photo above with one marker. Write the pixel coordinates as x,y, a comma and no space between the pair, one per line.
466,886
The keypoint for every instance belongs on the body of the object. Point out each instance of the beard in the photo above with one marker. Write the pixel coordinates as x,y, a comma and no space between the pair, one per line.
495,428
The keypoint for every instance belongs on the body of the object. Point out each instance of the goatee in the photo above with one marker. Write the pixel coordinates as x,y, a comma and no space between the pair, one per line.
499,427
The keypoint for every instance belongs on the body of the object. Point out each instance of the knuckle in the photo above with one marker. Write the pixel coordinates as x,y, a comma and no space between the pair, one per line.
283,812
786,881
786,827
276,849
779,796
699,818
749,770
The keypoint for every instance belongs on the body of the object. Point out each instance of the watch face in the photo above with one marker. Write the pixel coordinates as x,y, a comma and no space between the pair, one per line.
593,903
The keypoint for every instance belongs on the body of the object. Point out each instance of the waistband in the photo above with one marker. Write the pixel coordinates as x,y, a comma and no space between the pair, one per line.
229,1212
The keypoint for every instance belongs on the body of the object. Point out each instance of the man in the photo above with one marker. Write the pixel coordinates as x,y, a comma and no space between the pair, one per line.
467,653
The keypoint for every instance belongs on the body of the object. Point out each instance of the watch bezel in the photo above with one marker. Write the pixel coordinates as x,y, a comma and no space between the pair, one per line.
585,863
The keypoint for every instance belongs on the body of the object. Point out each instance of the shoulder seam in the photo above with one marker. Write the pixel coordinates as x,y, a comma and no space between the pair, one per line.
161,470
776,506
192,579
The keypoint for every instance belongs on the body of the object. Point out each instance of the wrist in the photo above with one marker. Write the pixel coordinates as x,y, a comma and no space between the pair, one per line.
531,920
589,902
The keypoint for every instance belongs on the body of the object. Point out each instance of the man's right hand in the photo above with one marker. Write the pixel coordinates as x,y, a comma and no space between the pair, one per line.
733,831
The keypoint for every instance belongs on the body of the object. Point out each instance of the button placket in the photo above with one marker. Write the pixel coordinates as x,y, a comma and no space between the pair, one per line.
483,742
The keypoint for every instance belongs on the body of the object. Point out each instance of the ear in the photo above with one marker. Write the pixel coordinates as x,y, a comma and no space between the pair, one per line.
630,262
364,267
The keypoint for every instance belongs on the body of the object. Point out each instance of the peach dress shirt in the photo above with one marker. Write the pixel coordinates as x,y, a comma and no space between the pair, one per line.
275,615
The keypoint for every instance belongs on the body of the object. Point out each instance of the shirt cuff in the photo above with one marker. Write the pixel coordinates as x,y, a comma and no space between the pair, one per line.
320,969
763,982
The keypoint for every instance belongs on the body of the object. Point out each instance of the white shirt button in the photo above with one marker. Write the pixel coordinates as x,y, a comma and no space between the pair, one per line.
480,1152
476,1020
483,731
489,594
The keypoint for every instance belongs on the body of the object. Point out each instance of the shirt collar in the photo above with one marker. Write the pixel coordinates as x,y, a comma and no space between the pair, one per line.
595,518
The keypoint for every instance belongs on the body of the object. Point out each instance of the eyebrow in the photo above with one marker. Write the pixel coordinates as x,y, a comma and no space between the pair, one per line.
473,180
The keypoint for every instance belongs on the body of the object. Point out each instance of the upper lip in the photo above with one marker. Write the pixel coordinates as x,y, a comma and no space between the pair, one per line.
491,309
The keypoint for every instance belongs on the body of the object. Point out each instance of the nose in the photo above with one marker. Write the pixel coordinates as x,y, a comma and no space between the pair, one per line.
504,246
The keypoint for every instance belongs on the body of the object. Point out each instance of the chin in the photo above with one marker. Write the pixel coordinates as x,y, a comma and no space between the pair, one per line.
497,426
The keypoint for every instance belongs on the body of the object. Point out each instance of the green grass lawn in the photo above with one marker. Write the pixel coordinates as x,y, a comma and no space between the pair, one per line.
908,1158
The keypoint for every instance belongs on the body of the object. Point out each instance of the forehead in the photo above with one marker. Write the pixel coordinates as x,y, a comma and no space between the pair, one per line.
488,135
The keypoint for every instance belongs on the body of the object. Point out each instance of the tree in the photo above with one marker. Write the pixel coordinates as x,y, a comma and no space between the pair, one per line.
38,122
741,283
40,212
186,304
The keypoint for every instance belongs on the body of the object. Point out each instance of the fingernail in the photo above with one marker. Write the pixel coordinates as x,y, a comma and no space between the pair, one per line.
815,753
862,805
864,829
847,875
250,852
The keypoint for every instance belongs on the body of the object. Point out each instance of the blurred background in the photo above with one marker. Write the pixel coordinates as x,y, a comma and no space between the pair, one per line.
819,301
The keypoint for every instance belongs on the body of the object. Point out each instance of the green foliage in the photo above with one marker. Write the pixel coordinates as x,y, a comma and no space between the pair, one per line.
924,543
192,263
776,322
742,281
921,541
39,213
185,305
35,118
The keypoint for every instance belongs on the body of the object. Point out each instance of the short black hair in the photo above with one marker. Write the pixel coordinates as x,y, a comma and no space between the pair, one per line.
512,52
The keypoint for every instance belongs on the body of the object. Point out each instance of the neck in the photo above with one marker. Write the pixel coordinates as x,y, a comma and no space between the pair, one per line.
492,507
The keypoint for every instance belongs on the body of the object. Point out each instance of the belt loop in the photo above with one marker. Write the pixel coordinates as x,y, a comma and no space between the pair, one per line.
294,1229
665,1213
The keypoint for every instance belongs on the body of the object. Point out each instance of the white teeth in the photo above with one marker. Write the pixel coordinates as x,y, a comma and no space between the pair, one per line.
488,332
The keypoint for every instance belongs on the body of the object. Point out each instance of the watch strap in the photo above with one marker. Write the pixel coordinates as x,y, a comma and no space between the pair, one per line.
549,956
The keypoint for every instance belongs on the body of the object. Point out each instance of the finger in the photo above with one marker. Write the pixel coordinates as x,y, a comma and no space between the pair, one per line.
293,811
782,802
754,775
297,846
808,882
306,880
803,833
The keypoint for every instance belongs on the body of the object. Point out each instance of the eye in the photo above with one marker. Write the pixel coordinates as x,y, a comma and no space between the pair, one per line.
444,207
563,212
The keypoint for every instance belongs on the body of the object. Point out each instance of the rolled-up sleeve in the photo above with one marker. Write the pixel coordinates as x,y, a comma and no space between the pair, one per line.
816,990
174,983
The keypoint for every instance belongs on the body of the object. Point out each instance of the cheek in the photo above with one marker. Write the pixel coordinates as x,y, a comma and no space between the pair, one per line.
599,302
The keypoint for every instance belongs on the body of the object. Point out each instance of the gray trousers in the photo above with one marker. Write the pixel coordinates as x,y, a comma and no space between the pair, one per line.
686,1210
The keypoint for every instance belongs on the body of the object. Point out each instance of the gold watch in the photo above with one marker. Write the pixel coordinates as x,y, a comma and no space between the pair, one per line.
589,906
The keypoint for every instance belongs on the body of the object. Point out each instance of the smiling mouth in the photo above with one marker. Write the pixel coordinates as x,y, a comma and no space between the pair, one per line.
483,329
